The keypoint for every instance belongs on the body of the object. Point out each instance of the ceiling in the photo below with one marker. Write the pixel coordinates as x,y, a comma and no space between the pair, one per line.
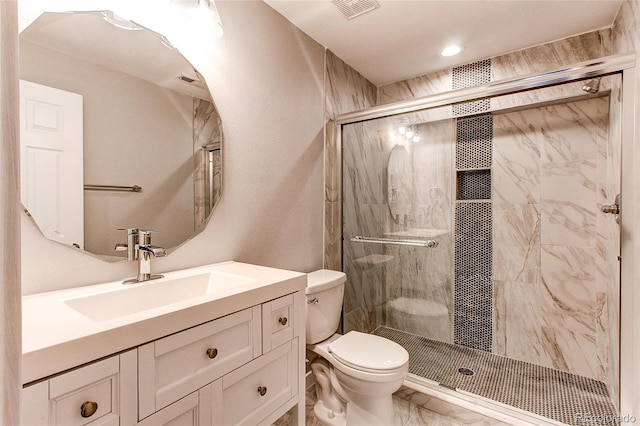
141,54
403,38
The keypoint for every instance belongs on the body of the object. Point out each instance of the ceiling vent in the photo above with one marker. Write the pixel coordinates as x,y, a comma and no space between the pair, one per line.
191,80
354,8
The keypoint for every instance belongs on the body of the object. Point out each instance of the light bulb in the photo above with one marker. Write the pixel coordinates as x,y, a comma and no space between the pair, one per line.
401,130
451,50
416,139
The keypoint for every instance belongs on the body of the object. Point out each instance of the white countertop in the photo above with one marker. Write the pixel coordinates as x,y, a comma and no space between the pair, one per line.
56,337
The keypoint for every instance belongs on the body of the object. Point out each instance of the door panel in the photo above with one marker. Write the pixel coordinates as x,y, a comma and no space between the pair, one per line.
51,155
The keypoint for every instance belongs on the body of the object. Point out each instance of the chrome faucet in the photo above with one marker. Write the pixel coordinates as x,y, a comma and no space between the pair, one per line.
139,248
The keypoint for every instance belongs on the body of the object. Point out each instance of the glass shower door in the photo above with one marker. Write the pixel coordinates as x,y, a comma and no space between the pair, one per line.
398,189
489,230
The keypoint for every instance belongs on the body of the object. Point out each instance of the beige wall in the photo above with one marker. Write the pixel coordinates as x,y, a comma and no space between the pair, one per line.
10,336
266,78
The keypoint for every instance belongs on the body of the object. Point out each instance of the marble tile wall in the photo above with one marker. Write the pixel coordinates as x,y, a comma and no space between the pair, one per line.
345,91
527,61
207,132
549,177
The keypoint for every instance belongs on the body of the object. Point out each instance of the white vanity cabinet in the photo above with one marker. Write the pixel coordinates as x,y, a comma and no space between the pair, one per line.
192,410
102,393
233,354
250,394
241,369
175,366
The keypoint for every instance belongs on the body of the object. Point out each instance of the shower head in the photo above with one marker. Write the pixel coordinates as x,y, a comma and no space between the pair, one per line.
592,86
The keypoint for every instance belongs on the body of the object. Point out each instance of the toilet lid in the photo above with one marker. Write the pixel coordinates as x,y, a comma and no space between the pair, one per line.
367,351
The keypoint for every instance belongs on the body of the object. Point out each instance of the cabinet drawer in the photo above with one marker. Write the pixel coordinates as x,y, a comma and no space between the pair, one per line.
101,393
278,320
175,366
252,392
183,412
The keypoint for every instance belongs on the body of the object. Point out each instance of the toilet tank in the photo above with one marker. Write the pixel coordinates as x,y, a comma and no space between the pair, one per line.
324,293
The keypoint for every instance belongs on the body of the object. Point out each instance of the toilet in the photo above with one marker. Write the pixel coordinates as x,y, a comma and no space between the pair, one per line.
355,373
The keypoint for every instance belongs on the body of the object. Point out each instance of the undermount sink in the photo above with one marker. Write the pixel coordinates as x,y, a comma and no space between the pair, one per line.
134,298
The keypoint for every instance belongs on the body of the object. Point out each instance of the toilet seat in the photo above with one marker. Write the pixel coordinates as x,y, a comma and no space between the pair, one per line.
368,353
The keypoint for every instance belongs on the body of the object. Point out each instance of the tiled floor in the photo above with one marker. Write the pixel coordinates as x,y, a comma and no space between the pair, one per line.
405,413
546,392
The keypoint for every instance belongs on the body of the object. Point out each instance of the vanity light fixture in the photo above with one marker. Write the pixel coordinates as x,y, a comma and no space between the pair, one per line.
451,50
411,133
204,20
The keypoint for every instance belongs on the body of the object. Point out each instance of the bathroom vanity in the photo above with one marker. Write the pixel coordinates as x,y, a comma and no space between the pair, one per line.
220,344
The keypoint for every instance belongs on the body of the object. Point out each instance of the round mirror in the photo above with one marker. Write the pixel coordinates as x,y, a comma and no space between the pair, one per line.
118,130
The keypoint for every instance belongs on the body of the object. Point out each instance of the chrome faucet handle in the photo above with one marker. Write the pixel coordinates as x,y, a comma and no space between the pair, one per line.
130,246
147,231
154,250
129,230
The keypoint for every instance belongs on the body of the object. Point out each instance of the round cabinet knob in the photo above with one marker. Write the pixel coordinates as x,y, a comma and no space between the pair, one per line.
88,409
262,390
212,353
283,320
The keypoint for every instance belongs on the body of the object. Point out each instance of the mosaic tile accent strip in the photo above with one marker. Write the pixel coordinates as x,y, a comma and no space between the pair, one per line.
554,394
470,75
474,136
473,270
473,290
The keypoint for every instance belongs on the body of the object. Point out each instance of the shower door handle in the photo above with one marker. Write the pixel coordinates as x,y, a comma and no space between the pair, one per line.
612,208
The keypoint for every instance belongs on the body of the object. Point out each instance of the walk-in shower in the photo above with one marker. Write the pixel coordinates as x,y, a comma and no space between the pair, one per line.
474,235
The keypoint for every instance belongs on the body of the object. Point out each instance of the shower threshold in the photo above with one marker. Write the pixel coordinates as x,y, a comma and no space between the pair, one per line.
554,394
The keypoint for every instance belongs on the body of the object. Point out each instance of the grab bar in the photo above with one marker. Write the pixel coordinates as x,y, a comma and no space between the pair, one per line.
134,188
415,243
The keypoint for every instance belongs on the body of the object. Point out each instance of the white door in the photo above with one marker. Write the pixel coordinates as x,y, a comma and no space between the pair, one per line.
51,158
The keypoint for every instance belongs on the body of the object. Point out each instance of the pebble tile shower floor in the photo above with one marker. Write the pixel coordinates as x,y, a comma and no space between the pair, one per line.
550,393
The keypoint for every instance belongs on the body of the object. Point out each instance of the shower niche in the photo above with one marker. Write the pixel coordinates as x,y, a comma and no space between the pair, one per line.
473,185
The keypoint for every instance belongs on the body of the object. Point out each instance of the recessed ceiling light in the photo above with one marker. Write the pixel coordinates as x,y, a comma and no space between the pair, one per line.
451,50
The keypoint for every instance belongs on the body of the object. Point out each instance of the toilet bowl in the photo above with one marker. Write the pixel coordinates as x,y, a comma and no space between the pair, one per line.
355,373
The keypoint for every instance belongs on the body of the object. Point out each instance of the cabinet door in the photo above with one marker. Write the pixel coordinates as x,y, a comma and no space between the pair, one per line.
102,393
192,410
248,395
278,322
177,365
